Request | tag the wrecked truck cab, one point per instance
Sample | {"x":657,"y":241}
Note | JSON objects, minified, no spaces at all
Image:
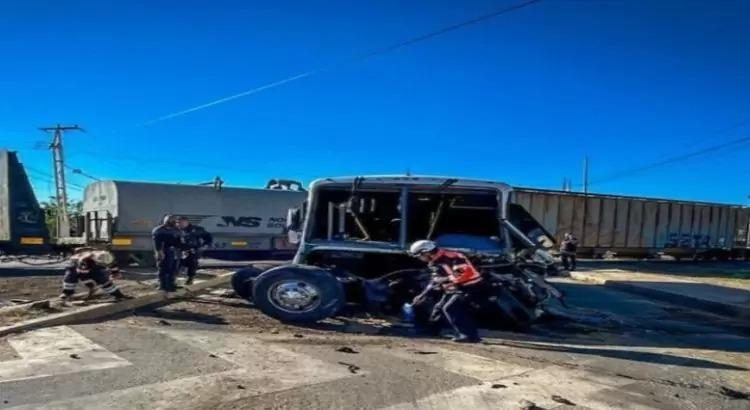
{"x":353,"y":234}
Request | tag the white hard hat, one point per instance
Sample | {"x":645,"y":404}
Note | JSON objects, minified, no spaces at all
{"x":421,"y":247}
{"x":103,"y":258}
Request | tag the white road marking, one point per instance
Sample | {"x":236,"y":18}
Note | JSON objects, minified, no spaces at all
{"x":265,"y":368}
{"x":47,"y":352}
{"x":537,"y":386}
{"x":520,"y":383}
{"x":260,"y":357}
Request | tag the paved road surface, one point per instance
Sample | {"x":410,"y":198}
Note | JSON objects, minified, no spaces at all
{"x":218,"y":353}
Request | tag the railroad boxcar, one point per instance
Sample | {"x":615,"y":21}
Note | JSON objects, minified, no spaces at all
{"x":635,"y":226}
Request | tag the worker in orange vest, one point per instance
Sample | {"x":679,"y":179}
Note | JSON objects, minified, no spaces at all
{"x":458,"y":278}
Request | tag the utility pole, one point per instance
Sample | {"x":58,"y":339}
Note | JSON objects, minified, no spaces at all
{"x":585,"y":175}
{"x":58,"y":164}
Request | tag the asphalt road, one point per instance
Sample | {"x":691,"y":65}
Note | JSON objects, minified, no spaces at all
{"x":219,"y":353}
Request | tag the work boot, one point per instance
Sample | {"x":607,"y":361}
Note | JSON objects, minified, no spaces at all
{"x":91,"y":294}
{"x":189,"y":281}
{"x":466,"y":339}
{"x":118,"y":295}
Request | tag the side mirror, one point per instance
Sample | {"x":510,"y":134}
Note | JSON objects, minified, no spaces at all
{"x":294,"y":225}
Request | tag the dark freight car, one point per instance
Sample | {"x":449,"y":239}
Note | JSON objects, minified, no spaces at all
{"x":22,"y":226}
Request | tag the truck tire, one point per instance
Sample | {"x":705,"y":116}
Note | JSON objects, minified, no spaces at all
{"x":242,"y":282}
{"x":298,"y":293}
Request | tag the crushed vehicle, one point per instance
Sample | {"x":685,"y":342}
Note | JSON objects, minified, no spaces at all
{"x":354,"y":232}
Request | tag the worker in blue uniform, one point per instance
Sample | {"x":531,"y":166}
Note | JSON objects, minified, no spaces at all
{"x":193,"y":239}
{"x":167,"y":245}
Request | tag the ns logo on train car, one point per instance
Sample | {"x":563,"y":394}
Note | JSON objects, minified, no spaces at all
{"x":229,"y":223}
{"x":241,"y":221}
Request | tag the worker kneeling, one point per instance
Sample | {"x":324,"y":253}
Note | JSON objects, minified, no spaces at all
{"x":92,"y":267}
{"x":459,"y":279}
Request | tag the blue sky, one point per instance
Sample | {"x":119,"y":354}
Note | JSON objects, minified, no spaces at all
{"x":521,"y":98}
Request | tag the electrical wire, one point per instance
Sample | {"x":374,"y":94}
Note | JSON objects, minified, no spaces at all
{"x":738,"y":142}
{"x":81,"y":173}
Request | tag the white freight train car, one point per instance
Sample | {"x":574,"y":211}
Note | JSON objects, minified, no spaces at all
{"x":245,"y":222}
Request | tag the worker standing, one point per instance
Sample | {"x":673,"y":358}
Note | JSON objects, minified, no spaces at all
{"x":166,"y":238}
{"x":92,"y":267}
{"x":568,"y":249}
{"x":458,"y":278}
{"x":193,"y":239}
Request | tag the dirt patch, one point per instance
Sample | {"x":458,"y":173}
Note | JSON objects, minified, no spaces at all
{"x":30,"y":287}
{"x":36,"y":288}
{"x":15,"y":314}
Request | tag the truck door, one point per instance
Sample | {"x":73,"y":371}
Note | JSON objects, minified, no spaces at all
{"x":522,"y":219}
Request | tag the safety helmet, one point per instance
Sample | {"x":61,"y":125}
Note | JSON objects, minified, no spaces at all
{"x":168,"y":219}
{"x":103,"y":258}
{"x":422,"y":247}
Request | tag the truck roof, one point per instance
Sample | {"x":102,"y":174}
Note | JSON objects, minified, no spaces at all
{"x":415,"y":180}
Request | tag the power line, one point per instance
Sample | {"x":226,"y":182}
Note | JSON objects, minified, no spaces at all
{"x":81,"y":173}
{"x":49,"y":176}
{"x":673,"y":159}
{"x":356,"y":59}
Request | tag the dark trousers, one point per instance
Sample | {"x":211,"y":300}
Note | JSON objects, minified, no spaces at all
{"x":167,"y":272}
{"x":569,"y":261}
{"x":99,"y":276}
{"x":455,"y":307}
{"x":190,"y":263}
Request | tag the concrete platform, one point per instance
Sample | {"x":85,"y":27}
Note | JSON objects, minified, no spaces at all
{"x":727,"y":301}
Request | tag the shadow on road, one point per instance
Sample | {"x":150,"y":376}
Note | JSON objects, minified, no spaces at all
{"x":183,"y":315}
{"x":646,"y":357}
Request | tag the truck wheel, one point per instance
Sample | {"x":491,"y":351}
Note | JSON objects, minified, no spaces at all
{"x":242,"y":282}
{"x":298,"y":293}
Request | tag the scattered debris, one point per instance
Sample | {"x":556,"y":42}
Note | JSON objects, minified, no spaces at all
{"x":499,"y":386}
{"x":274,"y":331}
{"x":20,"y":301}
{"x":424,"y":352}
{"x":223,"y":293}
{"x":65,"y":348}
{"x":679,"y":384}
{"x":734,"y":394}
{"x":625,"y":376}
{"x":528,"y":405}
{"x":211,"y":355}
{"x":353,"y":368}
{"x":75,"y":356}
{"x":346,"y":349}
{"x":562,"y":400}
{"x":163,"y":322}
{"x":299,"y":336}
{"x":241,"y":387}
